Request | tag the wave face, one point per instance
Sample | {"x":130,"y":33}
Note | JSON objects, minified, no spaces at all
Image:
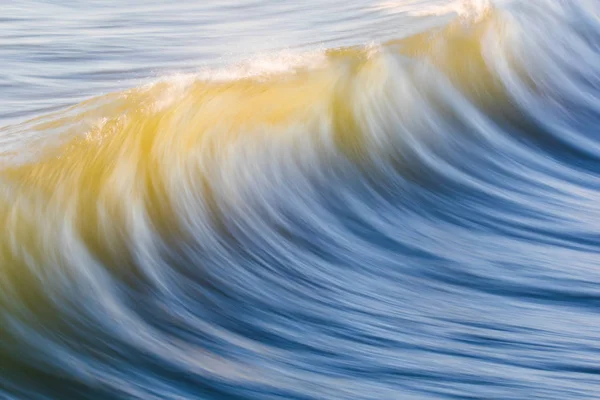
{"x":411,"y":220}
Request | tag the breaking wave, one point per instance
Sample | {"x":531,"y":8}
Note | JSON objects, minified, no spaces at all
{"x":414,"y":219}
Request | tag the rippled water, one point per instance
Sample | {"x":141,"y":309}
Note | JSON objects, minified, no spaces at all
{"x":57,"y":53}
{"x":300,"y":200}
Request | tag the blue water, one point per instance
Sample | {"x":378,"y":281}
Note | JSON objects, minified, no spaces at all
{"x":300,"y":200}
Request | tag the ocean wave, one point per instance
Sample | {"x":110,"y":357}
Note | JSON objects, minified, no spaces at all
{"x":412,"y":219}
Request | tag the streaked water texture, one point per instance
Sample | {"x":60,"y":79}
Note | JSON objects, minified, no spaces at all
{"x":350,"y":213}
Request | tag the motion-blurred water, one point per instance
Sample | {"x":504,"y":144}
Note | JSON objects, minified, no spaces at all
{"x":300,"y":200}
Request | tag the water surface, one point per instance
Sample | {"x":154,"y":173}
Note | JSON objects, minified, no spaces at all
{"x":300,"y":200}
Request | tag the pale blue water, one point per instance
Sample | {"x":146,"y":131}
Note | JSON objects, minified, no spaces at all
{"x":57,"y":53}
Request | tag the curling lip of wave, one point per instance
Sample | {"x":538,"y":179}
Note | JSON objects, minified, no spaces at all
{"x":468,"y":9}
{"x":268,"y":72}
